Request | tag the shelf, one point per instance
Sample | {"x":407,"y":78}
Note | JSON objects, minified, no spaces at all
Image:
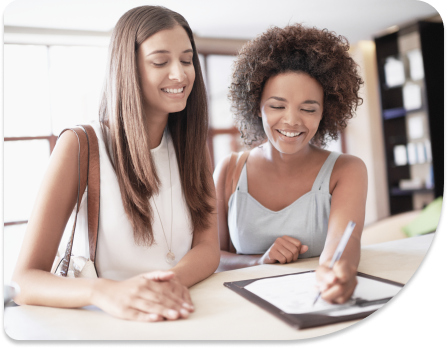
{"x":395,"y":191}
{"x":394,"y":113}
{"x":389,"y":114}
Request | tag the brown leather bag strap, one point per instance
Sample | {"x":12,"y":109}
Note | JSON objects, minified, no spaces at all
{"x":93,"y":189}
{"x":88,"y":176}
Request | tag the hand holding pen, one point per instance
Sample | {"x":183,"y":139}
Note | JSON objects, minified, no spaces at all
{"x":338,"y":253}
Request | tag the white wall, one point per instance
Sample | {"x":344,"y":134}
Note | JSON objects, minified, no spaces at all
{"x":364,"y":135}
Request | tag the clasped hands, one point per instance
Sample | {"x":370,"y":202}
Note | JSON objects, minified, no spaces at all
{"x":336,"y":285}
{"x":152,"y":296}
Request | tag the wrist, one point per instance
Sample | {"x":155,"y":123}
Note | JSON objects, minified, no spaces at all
{"x":259,"y":260}
{"x":97,"y":289}
{"x":177,"y":275}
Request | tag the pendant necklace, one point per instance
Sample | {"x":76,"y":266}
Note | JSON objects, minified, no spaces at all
{"x":170,"y":257}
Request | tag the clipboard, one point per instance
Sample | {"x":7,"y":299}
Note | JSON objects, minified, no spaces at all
{"x":310,"y":319}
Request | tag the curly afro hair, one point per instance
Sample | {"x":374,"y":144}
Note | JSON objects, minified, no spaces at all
{"x":318,"y":53}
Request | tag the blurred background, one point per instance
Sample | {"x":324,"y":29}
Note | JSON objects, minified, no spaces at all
{"x":55,"y":55}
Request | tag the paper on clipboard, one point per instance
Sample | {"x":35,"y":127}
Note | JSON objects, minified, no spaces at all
{"x":294,"y":294}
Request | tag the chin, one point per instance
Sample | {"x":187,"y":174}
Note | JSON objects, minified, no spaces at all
{"x":177,"y":108}
{"x":287,"y":150}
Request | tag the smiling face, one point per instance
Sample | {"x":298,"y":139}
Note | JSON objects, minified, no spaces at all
{"x":165,"y":66}
{"x":291,"y":108}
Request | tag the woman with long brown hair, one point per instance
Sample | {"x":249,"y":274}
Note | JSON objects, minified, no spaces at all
{"x":157,"y":227}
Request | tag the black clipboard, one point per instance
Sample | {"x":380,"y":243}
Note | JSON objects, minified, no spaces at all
{"x":305,"y":320}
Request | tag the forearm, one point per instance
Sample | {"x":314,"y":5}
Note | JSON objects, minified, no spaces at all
{"x":199,"y":263}
{"x":42,"y":288}
{"x":351,"y":254}
{"x":231,"y":261}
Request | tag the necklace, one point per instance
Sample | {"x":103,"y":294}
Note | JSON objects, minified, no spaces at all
{"x":170,"y":257}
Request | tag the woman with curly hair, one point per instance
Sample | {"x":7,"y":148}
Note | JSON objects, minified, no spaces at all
{"x":292,"y":90}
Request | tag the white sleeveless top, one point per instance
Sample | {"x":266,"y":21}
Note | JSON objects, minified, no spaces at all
{"x":118,"y":257}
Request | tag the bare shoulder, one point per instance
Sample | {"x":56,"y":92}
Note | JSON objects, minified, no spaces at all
{"x":220,"y":173}
{"x":221,"y":169}
{"x":347,"y":162}
{"x":67,"y":144}
{"x":348,"y":168}
{"x":64,"y":160}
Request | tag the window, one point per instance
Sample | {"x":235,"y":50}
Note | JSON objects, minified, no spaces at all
{"x":47,"y":88}
{"x":224,"y":137}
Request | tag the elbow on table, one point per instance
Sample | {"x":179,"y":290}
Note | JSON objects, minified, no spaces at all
{"x":19,"y":279}
{"x":215,"y":260}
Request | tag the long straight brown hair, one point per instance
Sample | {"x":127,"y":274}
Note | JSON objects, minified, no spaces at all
{"x":125,"y":132}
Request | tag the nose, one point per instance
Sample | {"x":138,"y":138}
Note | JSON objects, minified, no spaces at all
{"x":292,"y":117}
{"x":177,"y":72}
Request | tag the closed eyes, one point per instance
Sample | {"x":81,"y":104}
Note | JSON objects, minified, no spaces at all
{"x":282,"y":107}
{"x":163,"y":64}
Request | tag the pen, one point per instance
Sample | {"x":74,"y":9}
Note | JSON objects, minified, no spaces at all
{"x":340,"y":249}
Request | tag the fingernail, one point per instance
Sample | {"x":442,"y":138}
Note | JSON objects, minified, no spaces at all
{"x":184,"y":312}
{"x":172,"y":313}
{"x":153,"y":317}
{"x":329,"y":278}
{"x":187,"y":306}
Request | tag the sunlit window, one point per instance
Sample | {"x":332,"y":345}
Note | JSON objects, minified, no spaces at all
{"x":26,"y":91}
{"x":24,"y":165}
{"x":47,"y":88}
{"x":76,"y":80}
{"x":226,"y":138}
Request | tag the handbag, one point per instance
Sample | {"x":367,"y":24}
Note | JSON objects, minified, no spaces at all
{"x":88,"y":177}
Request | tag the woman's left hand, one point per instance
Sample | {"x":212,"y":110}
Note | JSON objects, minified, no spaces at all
{"x":337,"y":284}
{"x":173,"y":284}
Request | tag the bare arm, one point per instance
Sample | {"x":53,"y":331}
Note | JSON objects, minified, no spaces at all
{"x":148,"y":297}
{"x":203,"y":258}
{"x":55,"y":202}
{"x":229,"y":259}
{"x":348,"y":203}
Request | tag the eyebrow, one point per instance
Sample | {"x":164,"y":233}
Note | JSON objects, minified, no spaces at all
{"x":165,"y":51}
{"x":305,"y":102}
{"x":311,"y":102}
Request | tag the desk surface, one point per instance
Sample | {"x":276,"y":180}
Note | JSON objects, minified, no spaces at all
{"x":220,"y":313}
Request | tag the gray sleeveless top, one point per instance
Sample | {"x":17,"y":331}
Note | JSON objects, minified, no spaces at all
{"x":254,"y":228}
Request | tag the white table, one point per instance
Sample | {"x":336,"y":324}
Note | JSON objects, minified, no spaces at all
{"x":220,"y":313}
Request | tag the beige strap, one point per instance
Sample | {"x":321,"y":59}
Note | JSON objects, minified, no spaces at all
{"x":229,"y":178}
{"x":239,"y":167}
{"x":233,"y":174}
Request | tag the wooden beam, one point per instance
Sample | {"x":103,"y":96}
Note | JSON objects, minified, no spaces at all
{"x":206,"y":45}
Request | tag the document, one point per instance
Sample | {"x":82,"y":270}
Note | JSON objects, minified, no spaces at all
{"x":295,"y":294}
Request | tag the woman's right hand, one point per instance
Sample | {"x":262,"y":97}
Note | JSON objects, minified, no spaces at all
{"x":147,"y":297}
{"x":284,"y":250}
